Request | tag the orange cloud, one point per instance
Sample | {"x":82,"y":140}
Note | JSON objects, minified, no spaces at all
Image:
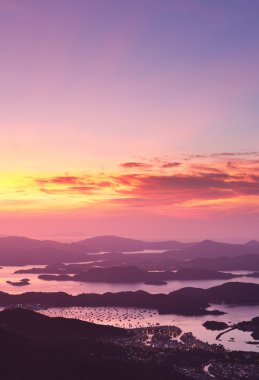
{"x":203,"y":183}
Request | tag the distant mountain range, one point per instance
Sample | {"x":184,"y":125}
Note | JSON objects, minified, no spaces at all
{"x":246,"y":262}
{"x":121,"y":244}
{"x":211,"y":249}
{"x":24,"y":251}
{"x":21,"y":250}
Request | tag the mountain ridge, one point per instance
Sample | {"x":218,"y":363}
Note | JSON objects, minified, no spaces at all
{"x":15,"y":250}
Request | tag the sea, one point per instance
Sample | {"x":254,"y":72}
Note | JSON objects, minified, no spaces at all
{"x":134,"y":317}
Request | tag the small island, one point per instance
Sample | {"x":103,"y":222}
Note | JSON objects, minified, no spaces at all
{"x":215,"y":325}
{"x":155,"y":282}
{"x":53,"y":277}
{"x":22,"y":282}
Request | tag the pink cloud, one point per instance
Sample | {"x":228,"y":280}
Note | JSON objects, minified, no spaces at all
{"x":213,"y":183}
{"x":133,"y":165}
{"x":169,"y":165}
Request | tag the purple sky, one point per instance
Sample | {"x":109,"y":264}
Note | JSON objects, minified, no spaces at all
{"x":87,"y":85}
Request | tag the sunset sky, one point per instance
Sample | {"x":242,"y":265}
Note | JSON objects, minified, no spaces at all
{"x":137,"y":118}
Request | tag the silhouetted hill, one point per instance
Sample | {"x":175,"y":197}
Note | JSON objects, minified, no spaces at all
{"x":186,"y":301}
{"x":23,"y":251}
{"x":57,"y":268}
{"x":252,"y":243}
{"x":243,"y":262}
{"x":114,"y":274}
{"x":120,"y":244}
{"x":235,"y":293}
{"x":215,"y":325}
{"x":200,"y":274}
{"x":130,"y":274}
{"x":174,"y":303}
{"x":252,"y":326}
{"x":38,"y":326}
{"x":36,"y":347}
{"x":33,"y":346}
{"x":63,"y":349}
{"x":20,"y":242}
{"x":212,"y":249}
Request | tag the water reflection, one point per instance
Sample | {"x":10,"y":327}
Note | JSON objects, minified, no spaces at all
{"x":132,"y":317}
{"x":72,"y":287}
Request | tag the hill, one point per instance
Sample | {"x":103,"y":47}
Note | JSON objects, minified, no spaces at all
{"x":212,"y":249}
{"x":109,"y":243}
{"x":24,"y":251}
{"x":122,"y":274}
{"x":133,"y":274}
{"x":38,"y":326}
{"x":36,"y":347}
{"x":248,"y":262}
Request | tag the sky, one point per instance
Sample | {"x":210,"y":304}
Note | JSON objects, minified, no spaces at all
{"x":137,"y":118}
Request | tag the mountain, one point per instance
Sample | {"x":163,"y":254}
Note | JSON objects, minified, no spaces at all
{"x":24,"y":251}
{"x":185,"y":301}
{"x":211,"y":249}
{"x":129,"y":274}
{"x":65,"y":349}
{"x":172,"y":303}
{"x":33,"y":346}
{"x":232,"y":293}
{"x":249,"y":262}
{"x":121,"y":274}
{"x":18,"y":242}
{"x":120,"y":244}
{"x":134,"y":274}
{"x":252,"y":243}
{"x":16,"y":250}
{"x":38,"y":326}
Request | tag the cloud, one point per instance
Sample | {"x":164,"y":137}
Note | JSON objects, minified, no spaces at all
{"x":207,"y":184}
{"x":222,"y":155}
{"x":230,"y":165}
{"x":83,"y":184}
{"x":60,"y":180}
{"x":234,"y":154}
{"x":155,"y":163}
{"x":134,"y":165}
{"x":169,"y":165}
{"x":177,"y":188}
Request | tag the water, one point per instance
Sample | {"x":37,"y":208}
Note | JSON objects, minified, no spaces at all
{"x":74,"y":288}
{"x":140,"y":317}
{"x":132,"y":317}
{"x":146,"y":251}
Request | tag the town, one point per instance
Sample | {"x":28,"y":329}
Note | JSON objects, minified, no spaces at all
{"x":187,"y":355}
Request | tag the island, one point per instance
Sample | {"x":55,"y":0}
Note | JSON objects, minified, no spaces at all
{"x":124,"y":274}
{"x":22,"y":282}
{"x":215,"y":325}
{"x":155,"y":282}
{"x":51,"y":277}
